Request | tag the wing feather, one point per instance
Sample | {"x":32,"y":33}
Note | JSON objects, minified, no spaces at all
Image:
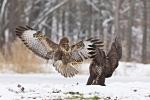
{"x":34,"y":44}
{"x":65,"y":70}
{"x":85,"y":50}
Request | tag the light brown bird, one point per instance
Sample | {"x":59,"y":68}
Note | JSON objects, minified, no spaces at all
{"x":64,"y":55}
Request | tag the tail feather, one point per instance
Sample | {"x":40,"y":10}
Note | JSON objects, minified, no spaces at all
{"x":68,"y":71}
{"x":65,"y":70}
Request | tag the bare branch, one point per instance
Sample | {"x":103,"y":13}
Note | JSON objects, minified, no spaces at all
{"x":47,"y":13}
{"x":93,"y":5}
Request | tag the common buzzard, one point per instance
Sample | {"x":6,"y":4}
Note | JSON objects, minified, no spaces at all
{"x":65,"y":56}
{"x":103,"y":65}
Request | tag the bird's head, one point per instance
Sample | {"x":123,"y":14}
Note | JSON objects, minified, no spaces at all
{"x":64,"y":44}
{"x":39,"y":35}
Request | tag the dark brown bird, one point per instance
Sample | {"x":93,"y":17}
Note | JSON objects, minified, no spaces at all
{"x":65,"y":57}
{"x":104,"y":65}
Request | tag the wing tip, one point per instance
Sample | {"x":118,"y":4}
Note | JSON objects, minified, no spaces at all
{"x":20,"y":29}
{"x":95,"y":43}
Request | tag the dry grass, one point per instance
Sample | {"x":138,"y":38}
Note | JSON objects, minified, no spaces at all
{"x":2,"y":60}
{"x":22,"y":59}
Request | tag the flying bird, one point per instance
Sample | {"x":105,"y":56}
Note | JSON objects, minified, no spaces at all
{"x":65,"y":56}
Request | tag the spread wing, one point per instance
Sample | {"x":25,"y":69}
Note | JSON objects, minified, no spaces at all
{"x":85,"y":50}
{"x":80,"y":52}
{"x":39,"y":47}
{"x":113,"y":57}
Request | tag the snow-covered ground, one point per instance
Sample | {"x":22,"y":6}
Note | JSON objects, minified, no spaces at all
{"x":129,"y":82}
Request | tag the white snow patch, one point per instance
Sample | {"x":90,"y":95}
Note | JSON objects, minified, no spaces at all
{"x":130,"y":81}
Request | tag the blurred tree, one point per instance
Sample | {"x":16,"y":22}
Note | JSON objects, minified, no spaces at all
{"x":144,"y":43}
{"x":148,"y":31}
{"x":129,"y":33}
{"x":80,"y":19}
{"x":3,"y":6}
{"x":9,"y":16}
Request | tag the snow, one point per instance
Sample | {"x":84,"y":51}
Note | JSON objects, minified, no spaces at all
{"x":133,"y":70}
{"x":131,"y":81}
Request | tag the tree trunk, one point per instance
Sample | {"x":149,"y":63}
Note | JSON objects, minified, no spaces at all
{"x":144,"y":43}
{"x":3,"y":8}
{"x":129,"y":33}
{"x":148,"y":31}
{"x":117,"y":28}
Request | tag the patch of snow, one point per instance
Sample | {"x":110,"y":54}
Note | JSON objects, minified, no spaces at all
{"x":130,"y":81}
{"x":132,"y":69}
{"x":55,"y":86}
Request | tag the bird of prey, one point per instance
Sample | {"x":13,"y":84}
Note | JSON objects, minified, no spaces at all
{"x":103,"y":65}
{"x":65,"y":56}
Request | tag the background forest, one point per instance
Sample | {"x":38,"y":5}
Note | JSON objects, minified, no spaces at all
{"x":77,"y":19}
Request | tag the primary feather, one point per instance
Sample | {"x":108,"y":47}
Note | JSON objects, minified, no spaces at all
{"x":34,"y":44}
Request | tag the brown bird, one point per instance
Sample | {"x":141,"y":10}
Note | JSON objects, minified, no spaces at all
{"x":103,"y":65}
{"x":66,"y":57}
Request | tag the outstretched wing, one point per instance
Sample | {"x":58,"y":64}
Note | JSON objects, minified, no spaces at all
{"x":80,"y":52}
{"x":113,"y":57}
{"x":26,"y":34}
{"x":85,"y":50}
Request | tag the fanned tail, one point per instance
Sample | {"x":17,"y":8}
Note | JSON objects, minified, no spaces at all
{"x":65,"y":70}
